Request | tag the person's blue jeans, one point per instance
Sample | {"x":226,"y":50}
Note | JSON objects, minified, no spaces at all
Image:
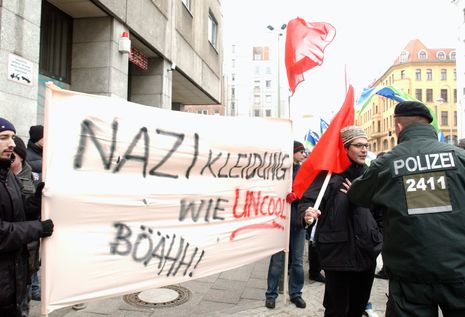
{"x":296,"y":269}
{"x":35,"y":286}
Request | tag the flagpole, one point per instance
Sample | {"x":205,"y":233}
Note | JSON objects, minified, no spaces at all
{"x":318,"y":202}
{"x":286,"y":251}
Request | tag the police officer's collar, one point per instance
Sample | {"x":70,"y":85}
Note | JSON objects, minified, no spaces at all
{"x":417,"y":130}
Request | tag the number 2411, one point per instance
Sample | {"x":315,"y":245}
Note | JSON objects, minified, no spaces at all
{"x":422,"y":184}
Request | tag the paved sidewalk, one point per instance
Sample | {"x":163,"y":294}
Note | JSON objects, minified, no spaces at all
{"x":239,"y":292}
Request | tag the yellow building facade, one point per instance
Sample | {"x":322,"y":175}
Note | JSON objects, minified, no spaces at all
{"x":429,"y":75}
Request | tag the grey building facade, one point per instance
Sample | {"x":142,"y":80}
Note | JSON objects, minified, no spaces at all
{"x":161,"y":53}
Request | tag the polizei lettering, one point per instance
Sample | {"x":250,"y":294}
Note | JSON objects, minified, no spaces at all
{"x":423,"y":163}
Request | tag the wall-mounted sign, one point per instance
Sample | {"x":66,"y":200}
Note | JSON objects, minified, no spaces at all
{"x":138,"y":58}
{"x":19,"y":69}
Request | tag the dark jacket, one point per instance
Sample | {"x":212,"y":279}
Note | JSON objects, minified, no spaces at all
{"x":15,"y":234}
{"x":28,"y":188}
{"x":296,"y":219}
{"x":347,"y":236}
{"x":34,"y":158}
{"x":420,"y":185}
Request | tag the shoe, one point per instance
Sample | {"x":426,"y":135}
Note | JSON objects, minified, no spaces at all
{"x":79,"y":306}
{"x":270,"y":303}
{"x":299,"y":302}
{"x":318,"y":278}
{"x":36,"y":297}
{"x":381,"y":274}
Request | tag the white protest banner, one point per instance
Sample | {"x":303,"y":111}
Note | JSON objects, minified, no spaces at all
{"x":143,"y":197}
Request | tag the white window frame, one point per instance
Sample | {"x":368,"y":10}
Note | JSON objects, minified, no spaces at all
{"x":212,"y":30}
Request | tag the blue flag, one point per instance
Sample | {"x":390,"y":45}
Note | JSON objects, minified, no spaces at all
{"x":323,"y":126}
{"x":441,"y":137}
{"x":311,"y":139}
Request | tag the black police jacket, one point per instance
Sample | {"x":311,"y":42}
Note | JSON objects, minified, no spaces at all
{"x":420,"y":185}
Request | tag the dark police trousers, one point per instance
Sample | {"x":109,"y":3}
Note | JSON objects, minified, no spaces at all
{"x":407,"y":299}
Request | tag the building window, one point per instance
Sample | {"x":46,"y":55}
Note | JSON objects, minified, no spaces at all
{"x":455,"y":118}
{"x":418,"y":94}
{"x":257,"y":70}
{"x":257,"y":53}
{"x":212,"y":30}
{"x":233,"y":77}
{"x":268,"y":84}
{"x":56,"y":36}
{"x":444,"y":95}
{"x":402,"y":74}
{"x":443,"y":74}
{"x":403,"y":57}
{"x":455,"y":74}
{"x":455,"y":95}
{"x":268,"y":99}
{"x":203,"y":111}
{"x":444,"y":118}
{"x":441,"y":55}
{"x":452,"y":55}
{"x":256,"y":89}
{"x":422,"y":55}
{"x":256,"y":113}
{"x":429,"y":74}
{"x":268,"y":70}
{"x":256,"y":99}
{"x":233,"y":92}
{"x":261,"y":53}
{"x":188,"y":4}
{"x":268,"y":112}
{"x":418,"y":74}
{"x":429,"y":95}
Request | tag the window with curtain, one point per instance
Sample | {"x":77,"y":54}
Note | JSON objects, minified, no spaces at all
{"x":56,"y":36}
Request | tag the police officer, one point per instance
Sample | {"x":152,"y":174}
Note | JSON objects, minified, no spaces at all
{"x":420,"y":185}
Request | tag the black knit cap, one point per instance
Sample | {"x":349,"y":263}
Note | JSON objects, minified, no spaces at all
{"x":6,"y":125}
{"x":20,"y":148}
{"x":298,"y":147}
{"x":412,"y":108}
{"x":36,"y":132}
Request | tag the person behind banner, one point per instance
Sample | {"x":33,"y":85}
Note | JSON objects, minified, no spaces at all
{"x":35,"y":147}
{"x":23,"y":172}
{"x":420,"y":184}
{"x":347,"y":236}
{"x":16,"y":227}
{"x":296,"y":249}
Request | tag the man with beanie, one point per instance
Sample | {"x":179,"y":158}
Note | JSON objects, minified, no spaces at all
{"x":420,"y":185}
{"x":347,"y":236}
{"x":35,"y":148}
{"x":296,"y":249}
{"x":17,"y":228}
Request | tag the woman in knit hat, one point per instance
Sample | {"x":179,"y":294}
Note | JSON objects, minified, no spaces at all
{"x":347,"y":236}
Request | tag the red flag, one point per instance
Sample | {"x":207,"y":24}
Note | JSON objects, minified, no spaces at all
{"x":305,"y":43}
{"x":329,"y":153}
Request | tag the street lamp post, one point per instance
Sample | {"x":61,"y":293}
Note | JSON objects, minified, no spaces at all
{"x":280,"y":33}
